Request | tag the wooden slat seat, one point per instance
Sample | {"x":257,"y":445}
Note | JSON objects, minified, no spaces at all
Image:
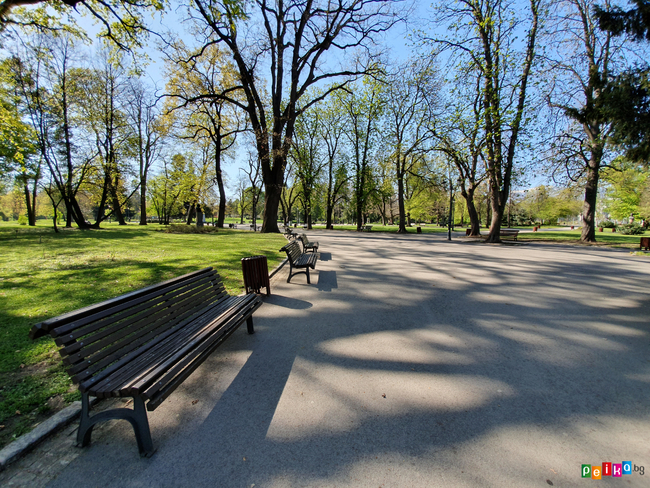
{"x":298,"y":259}
{"x":307,"y":245}
{"x":145,"y":344}
{"x":509,"y":233}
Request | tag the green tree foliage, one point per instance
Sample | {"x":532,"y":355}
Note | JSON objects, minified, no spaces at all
{"x":626,"y":189}
{"x":285,"y":46}
{"x":121,"y":21}
{"x":626,"y":97}
{"x":485,"y":35}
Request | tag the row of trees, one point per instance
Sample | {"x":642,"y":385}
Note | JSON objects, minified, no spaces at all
{"x":506,"y":82}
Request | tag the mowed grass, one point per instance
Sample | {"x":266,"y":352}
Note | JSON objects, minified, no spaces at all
{"x":607,"y":237}
{"x":43,"y":274}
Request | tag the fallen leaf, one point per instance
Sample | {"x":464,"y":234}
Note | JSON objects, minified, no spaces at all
{"x":2,"y":426}
{"x":383,"y":395}
{"x":244,"y":459}
{"x":17,"y":412}
{"x":194,"y":402}
{"x":22,"y":366}
{"x":549,"y":482}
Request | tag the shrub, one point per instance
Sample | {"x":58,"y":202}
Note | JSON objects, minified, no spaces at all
{"x":189,"y":229}
{"x":607,"y":224}
{"x":630,"y":229}
{"x":22,"y":220}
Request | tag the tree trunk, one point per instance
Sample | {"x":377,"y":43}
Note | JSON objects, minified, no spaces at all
{"x":190,"y":213}
{"x":400,"y":202}
{"x":272,"y":205}
{"x":474,"y":220}
{"x":31,"y":208}
{"x":591,"y":194}
{"x":143,"y":201}
{"x":117,"y":209}
{"x":221,"y":217}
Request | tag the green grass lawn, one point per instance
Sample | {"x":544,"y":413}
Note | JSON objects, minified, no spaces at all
{"x":607,"y":237}
{"x":43,"y":274}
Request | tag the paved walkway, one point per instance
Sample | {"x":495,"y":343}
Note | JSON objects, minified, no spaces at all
{"x":408,"y":362}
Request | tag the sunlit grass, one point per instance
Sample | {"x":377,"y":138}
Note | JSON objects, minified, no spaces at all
{"x":43,"y":274}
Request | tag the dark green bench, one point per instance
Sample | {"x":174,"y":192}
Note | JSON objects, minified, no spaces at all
{"x":307,"y":245}
{"x":298,"y":259}
{"x":145,"y":344}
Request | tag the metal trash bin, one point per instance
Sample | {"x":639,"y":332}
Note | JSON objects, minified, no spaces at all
{"x":256,"y":274}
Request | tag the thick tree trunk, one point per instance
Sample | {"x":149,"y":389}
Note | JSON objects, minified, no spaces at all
{"x":474,"y":220}
{"x":190,"y":213}
{"x":497,"y":204}
{"x":272,"y":205}
{"x":591,"y":195}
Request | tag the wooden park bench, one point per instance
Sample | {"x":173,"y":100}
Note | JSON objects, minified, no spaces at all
{"x":307,"y":245}
{"x":145,"y":344}
{"x":366,"y":228}
{"x":509,"y":233}
{"x":298,"y":259}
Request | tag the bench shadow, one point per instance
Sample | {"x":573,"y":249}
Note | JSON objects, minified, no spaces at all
{"x":325,"y":256}
{"x":327,"y":280}
{"x":287,"y":302}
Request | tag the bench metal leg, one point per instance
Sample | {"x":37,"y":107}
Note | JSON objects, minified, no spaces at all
{"x":137,"y":417}
{"x":307,"y":271}
{"x":249,"y":325}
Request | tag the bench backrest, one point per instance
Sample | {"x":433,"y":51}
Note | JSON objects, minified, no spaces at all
{"x":293,"y":251}
{"x":97,"y":339}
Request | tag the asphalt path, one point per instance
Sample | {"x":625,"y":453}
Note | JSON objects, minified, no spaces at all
{"x":411,"y":361}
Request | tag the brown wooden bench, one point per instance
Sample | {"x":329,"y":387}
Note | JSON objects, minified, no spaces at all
{"x":307,"y":245}
{"x":509,"y":233}
{"x":145,"y":344}
{"x":298,"y":259}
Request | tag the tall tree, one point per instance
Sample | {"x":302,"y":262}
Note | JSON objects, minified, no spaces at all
{"x":292,"y":39}
{"x":487,"y":32}
{"x":18,"y":154}
{"x":583,"y":60}
{"x":626,"y":96}
{"x":105,"y":90}
{"x":308,"y":158}
{"x":363,"y":108}
{"x":332,"y":135}
{"x":148,"y":133}
{"x":460,"y":136}
{"x":194,"y":78}
{"x":48,"y":87}
{"x":408,"y":109}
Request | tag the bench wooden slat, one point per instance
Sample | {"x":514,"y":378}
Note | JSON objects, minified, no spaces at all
{"x":72,"y":331}
{"x":127,"y":340}
{"x":177,"y":363}
{"x":48,"y":326}
{"x":112,"y":364}
{"x":157,"y":398}
{"x":135,"y":326}
{"x":149,"y":366}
